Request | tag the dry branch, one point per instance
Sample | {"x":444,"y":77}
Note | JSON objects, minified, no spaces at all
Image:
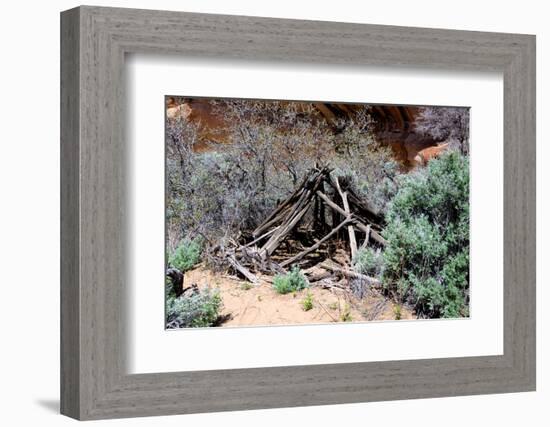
{"x":271,"y":222}
{"x":377,"y":236}
{"x":373,"y":233}
{"x":276,"y":239}
{"x":241,"y":269}
{"x":331,"y":204}
{"x":316,"y":245}
{"x":367,"y":235}
{"x":367,"y":229}
{"x":263,"y":236}
{"x":279,"y":208}
{"x":326,"y":311}
{"x":278,"y":227}
{"x":316,"y":273}
{"x":351,"y":232}
{"x":348,"y":273}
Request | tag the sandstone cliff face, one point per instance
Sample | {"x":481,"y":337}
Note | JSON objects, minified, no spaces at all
{"x":394,"y":126}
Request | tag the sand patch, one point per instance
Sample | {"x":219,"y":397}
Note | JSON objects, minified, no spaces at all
{"x":245,"y":304}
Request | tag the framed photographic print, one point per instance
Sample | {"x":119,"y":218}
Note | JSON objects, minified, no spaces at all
{"x":366,"y":206}
{"x":262,"y":213}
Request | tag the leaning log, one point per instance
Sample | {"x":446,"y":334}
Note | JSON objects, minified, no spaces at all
{"x":364,"y":209}
{"x":349,"y":273}
{"x":316,"y":245}
{"x":241,"y":269}
{"x":367,"y":229}
{"x":281,"y":207}
{"x":316,"y":273}
{"x":373,"y":233}
{"x":276,"y":238}
{"x":263,"y":236}
{"x":351,"y":232}
{"x":271,"y":222}
{"x":331,"y":204}
{"x":366,"y":241}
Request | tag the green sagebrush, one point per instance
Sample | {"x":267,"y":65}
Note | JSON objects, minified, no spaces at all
{"x":368,"y":261}
{"x":426,"y":260}
{"x":200,"y":309}
{"x":290,"y":282}
{"x":186,"y":255}
{"x":307,"y":302}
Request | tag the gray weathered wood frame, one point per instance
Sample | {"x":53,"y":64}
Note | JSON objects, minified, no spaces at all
{"x":94,"y":41}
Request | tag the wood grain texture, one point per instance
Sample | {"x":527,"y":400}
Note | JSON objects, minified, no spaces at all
{"x":70,"y":314}
{"x":95,"y":237}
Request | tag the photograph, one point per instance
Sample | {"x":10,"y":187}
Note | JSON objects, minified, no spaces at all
{"x":286,"y":212}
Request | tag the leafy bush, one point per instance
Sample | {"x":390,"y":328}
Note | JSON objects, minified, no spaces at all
{"x":369,"y":166}
{"x":368,"y":261}
{"x":186,"y":255}
{"x":291,"y":282}
{"x":169,"y":291}
{"x":426,"y":260}
{"x":198,"y":310}
{"x":307,"y":302}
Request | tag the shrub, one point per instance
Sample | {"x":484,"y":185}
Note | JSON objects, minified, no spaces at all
{"x":245,"y":286}
{"x":345,"y":316}
{"x":198,"y":310}
{"x":368,"y":261}
{"x":397,"y":311}
{"x":426,"y":260}
{"x":333,"y":306}
{"x":450,"y":124}
{"x":186,"y":255}
{"x":219,"y":190}
{"x":169,"y":288}
{"x":307,"y":302}
{"x":291,"y":282}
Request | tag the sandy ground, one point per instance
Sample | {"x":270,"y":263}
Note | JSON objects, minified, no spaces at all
{"x":245,"y":304}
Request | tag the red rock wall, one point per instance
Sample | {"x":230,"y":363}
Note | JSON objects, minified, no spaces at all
{"x":394,"y":125}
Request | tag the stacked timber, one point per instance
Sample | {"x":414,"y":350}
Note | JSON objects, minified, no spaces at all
{"x":308,"y":230}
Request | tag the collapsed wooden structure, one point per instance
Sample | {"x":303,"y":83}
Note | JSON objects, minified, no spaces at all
{"x":322,"y":212}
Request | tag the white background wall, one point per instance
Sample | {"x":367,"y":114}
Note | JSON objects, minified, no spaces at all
{"x":29,"y":224}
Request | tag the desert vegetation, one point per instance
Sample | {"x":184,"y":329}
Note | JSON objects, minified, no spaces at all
{"x":301,"y":208}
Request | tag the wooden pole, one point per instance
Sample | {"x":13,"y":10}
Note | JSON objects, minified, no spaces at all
{"x":316,"y":245}
{"x":351,"y":232}
{"x":241,"y":269}
{"x":352,"y":274}
{"x":367,"y":235}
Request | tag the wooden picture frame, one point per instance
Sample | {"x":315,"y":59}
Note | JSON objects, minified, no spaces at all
{"x":94,"y":41}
